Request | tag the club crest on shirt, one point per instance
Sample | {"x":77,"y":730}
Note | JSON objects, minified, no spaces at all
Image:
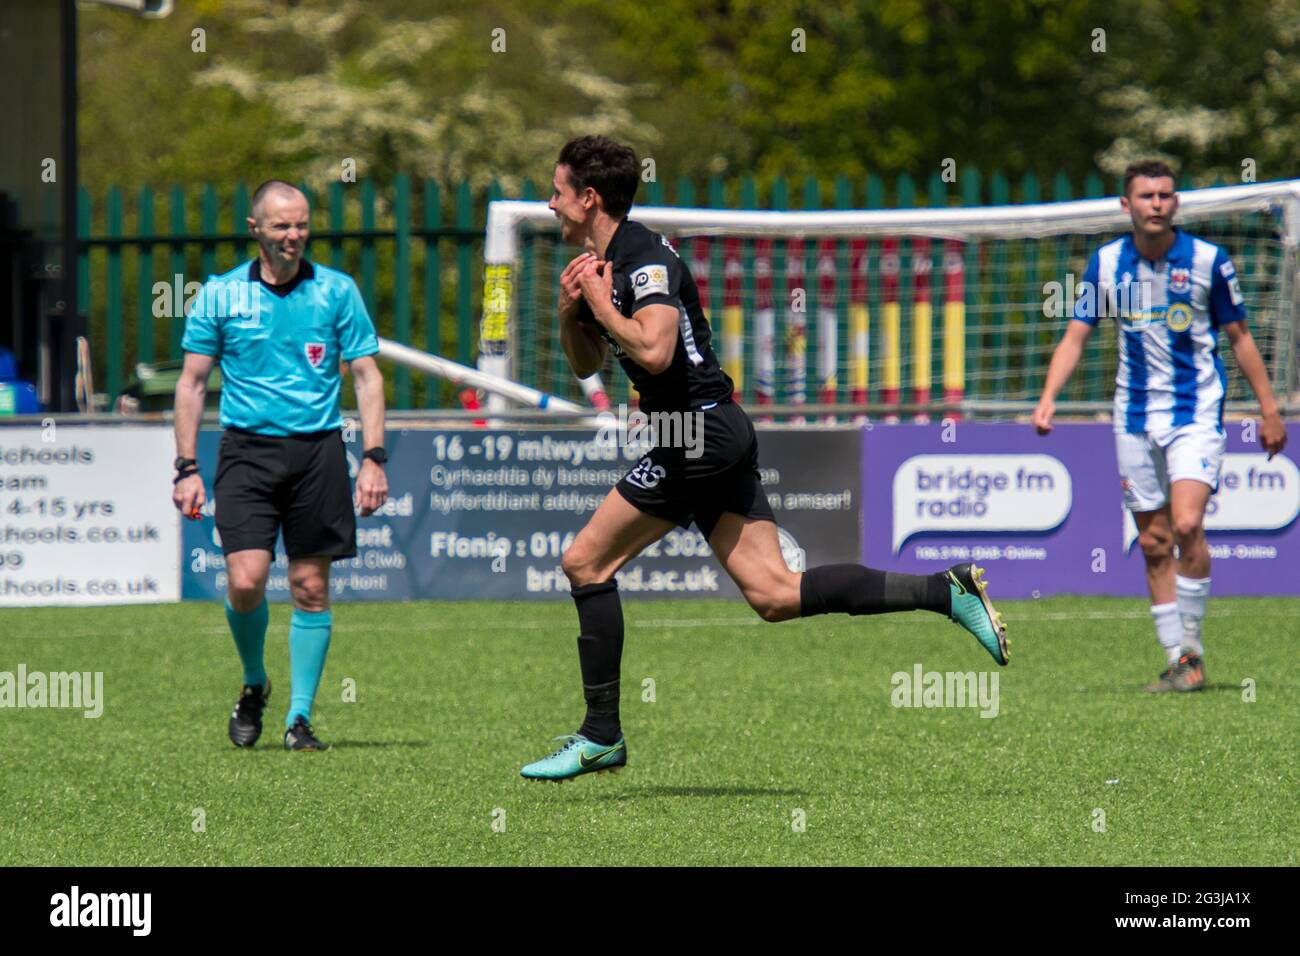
{"x":1180,"y":279}
{"x":315,"y":353}
{"x":1178,"y":317}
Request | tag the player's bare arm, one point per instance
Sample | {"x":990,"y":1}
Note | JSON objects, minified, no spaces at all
{"x":1064,"y":361}
{"x":649,"y":339}
{"x":191,"y":389}
{"x":1272,"y":432}
{"x":372,"y":483}
{"x":581,"y":343}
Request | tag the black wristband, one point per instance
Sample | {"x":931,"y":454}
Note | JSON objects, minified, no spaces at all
{"x":377,"y":454}
{"x":182,"y":475}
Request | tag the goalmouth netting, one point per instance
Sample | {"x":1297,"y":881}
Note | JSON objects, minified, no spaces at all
{"x":884,"y":312}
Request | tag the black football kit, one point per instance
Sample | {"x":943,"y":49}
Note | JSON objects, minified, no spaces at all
{"x":684,"y":480}
{"x":719,"y":471}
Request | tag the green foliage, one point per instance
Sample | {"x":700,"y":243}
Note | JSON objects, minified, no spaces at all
{"x":297,"y":89}
{"x":704,"y":87}
{"x":899,"y":85}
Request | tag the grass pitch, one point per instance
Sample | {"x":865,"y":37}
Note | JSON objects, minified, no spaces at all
{"x":754,"y":729}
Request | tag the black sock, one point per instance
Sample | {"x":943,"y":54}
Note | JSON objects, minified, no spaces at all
{"x":600,"y":651}
{"x":854,"y":589}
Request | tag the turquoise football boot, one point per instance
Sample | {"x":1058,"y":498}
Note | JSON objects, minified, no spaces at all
{"x":578,"y":756}
{"x":972,"y":609}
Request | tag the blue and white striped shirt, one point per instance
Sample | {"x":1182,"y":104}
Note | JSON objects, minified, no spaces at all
{"x":1168,"y":314}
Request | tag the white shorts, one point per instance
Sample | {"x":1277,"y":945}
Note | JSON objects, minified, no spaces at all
{"x":1149,"y":464}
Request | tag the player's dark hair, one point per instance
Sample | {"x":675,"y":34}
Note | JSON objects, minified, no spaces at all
{"x":271,"y":185}
{"x":607,"y":167}
{"x":1152,"y":168}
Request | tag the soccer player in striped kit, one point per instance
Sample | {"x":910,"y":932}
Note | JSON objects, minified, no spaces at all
{"x":1170,"y":294}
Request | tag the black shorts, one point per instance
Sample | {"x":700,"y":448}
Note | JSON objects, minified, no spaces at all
{"x":299,"y":483}
{"x":673,"y":482}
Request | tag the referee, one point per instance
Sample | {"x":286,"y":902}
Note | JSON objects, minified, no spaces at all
{"x":280,"y":326}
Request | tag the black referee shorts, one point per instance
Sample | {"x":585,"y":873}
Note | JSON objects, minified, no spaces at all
{"x":297,"y":483}
{"x":669,"y":483}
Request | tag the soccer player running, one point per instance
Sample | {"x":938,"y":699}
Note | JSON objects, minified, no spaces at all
{"x":280,"y":326}
{"x":630,"y":293}
{"x":1170,"y":293}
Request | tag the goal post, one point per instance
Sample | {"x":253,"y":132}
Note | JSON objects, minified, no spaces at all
{"x":866,"y":311}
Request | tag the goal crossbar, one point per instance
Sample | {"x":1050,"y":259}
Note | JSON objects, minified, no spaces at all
{"x":1027,"y":221}
{"x":933,"y":312}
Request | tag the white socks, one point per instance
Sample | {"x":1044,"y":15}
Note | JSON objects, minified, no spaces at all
{"x":1192,"y":595}
{"x":1178,"y":623}
{"x":1169,"y":629}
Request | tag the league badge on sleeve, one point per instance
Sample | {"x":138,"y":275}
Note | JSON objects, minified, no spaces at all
{"x":1229,"y":273}
{"x":650,"y":280}
{"x":315,"y":353}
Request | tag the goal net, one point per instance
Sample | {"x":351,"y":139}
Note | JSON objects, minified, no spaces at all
{"x":873,"y":312}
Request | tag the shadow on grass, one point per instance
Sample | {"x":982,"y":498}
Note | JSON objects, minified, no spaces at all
{"x":1209,"y":688}
{"x":656,"y":792}
{"x":340,"y":744}
{"x":1223,"y":688}
{"x":1139,"y":691}
{"x":350,"y":744}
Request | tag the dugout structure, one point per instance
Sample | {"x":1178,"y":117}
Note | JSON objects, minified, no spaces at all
{"x":40,"y":290}
{"x":38,"y":293}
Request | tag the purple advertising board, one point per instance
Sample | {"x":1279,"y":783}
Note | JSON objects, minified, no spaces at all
{"x":1045,"y":515}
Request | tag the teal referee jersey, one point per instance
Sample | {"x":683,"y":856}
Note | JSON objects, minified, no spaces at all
{"x":280,"y":346}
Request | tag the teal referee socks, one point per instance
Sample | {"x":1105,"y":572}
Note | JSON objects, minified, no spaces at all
{"x":309,"y":642}
{"x":249,"y":631}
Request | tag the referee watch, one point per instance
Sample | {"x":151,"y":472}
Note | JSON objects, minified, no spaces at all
{"x":376,"y":454}
{"x":185,"y":467}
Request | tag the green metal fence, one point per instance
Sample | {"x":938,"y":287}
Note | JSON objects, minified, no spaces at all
{"x":415,"y":252}
{"x":415,"y":248}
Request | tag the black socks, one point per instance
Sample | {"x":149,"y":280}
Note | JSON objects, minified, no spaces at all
{"x":854,"y":589}
{"x":600,"y":651}
{"x":831,"y":588}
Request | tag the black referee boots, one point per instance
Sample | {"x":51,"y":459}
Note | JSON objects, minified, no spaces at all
{"x":301,"y":737}
{"x":246,"y":720}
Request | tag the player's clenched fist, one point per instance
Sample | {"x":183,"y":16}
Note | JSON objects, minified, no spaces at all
{"x":1043,"y":416}
{"x":596,"y":280}
{"x":188,"y":496}
{"x":372,"y":488}
{"x":570,"y":289}
{"x":1273,"y":434}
